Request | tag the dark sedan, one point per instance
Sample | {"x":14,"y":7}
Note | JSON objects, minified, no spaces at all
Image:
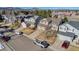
{"x":6,"y":38}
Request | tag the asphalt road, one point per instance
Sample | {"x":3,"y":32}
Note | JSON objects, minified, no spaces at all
{"x":22,"y":43}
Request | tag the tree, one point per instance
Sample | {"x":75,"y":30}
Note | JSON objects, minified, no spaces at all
{"x":56,"y":16}
{"x":3,"y":12}
{"x":1,"y":19}
{"x":49,"y":13}
{"x":49,"y":33}
{"x":43,"y":13}
{"x":15,"y":13}
{"x":64,"y":20}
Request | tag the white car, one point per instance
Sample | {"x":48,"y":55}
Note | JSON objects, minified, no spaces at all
{"x":18,"y":33}
{"x":1,"y":46}
{"x":1,"y":35}
{"x":42,"y":44}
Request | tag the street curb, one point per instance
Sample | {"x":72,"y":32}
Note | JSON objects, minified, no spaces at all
{"x":12,"y":49}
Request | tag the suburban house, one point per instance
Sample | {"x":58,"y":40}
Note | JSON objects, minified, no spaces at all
{"x":55,"y":24}
{"x":31,"y":21}
{"x":22,"y":16}
{"x":49,"y":23}
{"x":9,"y":18}
{"x":45,"y":24}
{"x":23,"y":24}
{"x":65,"y":36}
{"x":69,"y":31}
{"x":71,"y":26}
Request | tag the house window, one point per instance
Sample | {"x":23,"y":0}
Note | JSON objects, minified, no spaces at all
{"x":65,"y":29}
{"x":61,"y":28}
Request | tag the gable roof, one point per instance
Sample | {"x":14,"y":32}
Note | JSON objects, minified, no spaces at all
{"x":24,"y":16}
{"x":38,"y":19}
{"x":66,"y":34}
{"x":74,"y":24}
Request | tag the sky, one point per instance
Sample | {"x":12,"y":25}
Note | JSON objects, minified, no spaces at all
{"x":53,"y":8}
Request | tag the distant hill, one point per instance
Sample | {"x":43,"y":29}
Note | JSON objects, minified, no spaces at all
{"x":10,"y":8}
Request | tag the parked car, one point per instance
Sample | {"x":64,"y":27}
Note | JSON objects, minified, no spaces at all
{"x":10,"y":30}
{"x":42,"y":44}
{"x":65,"y":44}
{"x":6,"y":38}
{"x":18,"y":33}
{"x":1,"y":34}
{"x":4,"y":26}
{"x":1,"y":46}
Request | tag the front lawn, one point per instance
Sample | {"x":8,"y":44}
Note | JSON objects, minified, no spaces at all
{"x":15,"y":25}
{"x":27,"y":31}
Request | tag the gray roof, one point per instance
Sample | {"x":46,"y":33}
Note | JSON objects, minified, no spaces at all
{"x":74,"y":24}
{"x":27,"y":16}
{"x":66,"y":34}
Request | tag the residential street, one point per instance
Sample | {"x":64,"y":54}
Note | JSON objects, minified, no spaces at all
{"x":22,"y":43}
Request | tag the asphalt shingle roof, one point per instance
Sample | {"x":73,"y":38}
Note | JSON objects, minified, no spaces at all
{"x":74,"y":24}
{"x":66,"y":34}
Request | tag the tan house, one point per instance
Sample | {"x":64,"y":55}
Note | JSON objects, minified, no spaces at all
{"x":49,"y":23}
{"x":55,"y":24}
{"x":44,"y":23}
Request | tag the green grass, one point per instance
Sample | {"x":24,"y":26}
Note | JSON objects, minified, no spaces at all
{"x":15,"y":25}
